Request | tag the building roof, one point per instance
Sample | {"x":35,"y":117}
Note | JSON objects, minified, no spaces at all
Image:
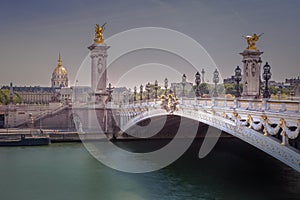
{"x":30,"y":89}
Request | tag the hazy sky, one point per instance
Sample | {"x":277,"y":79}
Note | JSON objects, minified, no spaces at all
{"x":34,"y":31}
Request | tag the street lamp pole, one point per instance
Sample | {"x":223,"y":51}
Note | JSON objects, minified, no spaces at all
{"x":197,"y":81}
{"x":155,"y":88}
{"x":141,"y":93}
{"x":267,"y":76}
{"x":109,"y":90}
{"x":166,"y":86}
{"x":238,"y":78}
{"x":216,"y":81}
{"x":134,"y":94}
{"x":183,"y":84}
{"x":148,"y":91}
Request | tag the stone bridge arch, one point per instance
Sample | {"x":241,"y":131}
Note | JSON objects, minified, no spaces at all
{"x":269,"y":145}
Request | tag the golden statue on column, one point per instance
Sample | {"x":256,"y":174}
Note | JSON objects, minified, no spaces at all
{"x":251,"y":40}
{"x":99,"y":39}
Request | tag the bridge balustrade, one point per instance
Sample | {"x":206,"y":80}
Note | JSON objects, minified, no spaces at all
{"x":246,"y":104}
{"x":286,"y":105}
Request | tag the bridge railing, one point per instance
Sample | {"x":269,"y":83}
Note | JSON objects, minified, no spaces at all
{"x":247,"y":104}
{"x":230,"y":103}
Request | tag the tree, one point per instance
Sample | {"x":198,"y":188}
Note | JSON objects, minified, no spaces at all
{"x":231,"y":89}
{"x":4,"y":97}
{"x":204,"y":88}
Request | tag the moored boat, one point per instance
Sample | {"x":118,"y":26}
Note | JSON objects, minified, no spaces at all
{"x":24,"y":140}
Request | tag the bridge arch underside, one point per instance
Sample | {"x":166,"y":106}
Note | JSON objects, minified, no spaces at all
{"x":167,"y":130}
{"x":164,"y":127}
{"x":227,"y":128}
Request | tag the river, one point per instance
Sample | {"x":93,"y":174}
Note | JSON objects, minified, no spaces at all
{"x":233,"y":170}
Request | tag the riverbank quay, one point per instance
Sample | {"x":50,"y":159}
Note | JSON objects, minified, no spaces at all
{"x":32,"y":137}
{"x":54,"y":136}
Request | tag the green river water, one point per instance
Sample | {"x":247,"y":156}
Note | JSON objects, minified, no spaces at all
{"x":233,"y":170}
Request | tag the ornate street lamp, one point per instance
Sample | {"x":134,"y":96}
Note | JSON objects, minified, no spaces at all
{"x":216,"y":81}
{"x":183,"y":84}
{"x":134,"y":93}
{"x":238,"y":78}
{"x":197,"y":81}
{"x":109,"y":90}
{"x":267,"y":76}
{"x":141,"y":93}
{"x":166,"y":86}
{"x":148,"y":91}
{"x":155,"y":88}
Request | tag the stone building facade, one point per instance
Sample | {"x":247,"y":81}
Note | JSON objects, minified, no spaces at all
{"x":36,"y":94}
{"x":45,"y":95}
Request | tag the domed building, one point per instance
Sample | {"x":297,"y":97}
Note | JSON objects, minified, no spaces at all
{"x":58,"y":92}
{"x":59,"y":76}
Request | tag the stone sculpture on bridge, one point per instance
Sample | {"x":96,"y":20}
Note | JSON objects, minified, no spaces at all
{"x":169,"y":103}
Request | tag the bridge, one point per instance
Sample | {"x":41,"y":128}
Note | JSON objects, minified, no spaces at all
{"x":272,"y":126}
{"x":269,"y":125}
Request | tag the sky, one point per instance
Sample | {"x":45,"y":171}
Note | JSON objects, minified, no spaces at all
{"x":33,"y":32}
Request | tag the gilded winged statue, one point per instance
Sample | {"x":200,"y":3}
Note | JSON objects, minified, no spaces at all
{"x":99,"y":39}
{"x":251,"y":40}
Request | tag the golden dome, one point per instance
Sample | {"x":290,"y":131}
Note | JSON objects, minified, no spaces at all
{"x":59,"y":70}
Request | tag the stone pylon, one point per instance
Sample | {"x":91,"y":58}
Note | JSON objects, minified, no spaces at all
{"x":98,"y":55}
{"x":251,"y":73}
